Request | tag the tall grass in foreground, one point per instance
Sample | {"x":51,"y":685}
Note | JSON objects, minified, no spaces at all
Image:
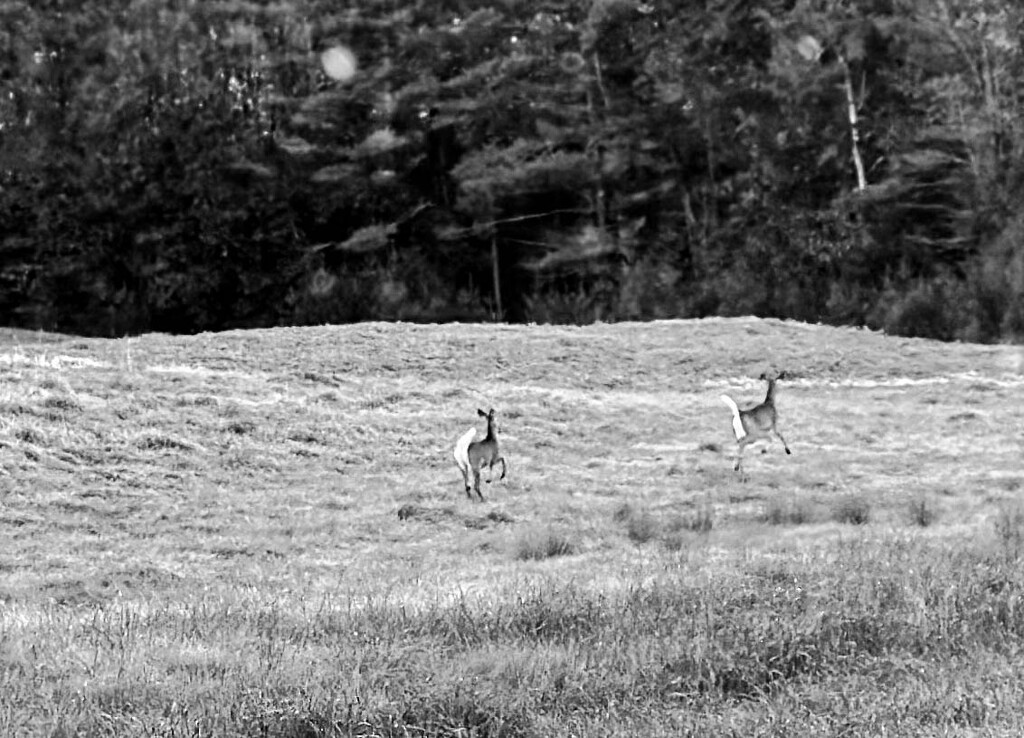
{"x":922,"y":639}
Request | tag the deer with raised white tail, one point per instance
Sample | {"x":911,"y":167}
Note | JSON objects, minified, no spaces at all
{"x":472,"y":455}
{"x":756,"y":423}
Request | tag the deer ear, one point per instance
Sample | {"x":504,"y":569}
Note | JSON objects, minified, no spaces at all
{"x":481,"y":413}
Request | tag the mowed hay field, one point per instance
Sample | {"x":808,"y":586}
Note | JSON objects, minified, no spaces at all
{"x":263,"y":533}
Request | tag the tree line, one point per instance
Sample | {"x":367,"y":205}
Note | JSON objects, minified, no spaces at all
{"x":167,"y":165}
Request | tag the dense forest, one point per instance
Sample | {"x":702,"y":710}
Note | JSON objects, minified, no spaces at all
{"x":177,"y":165}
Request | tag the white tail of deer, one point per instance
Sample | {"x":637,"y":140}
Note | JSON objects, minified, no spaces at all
{"x":756,"y":423}
{"x":461,"y":454}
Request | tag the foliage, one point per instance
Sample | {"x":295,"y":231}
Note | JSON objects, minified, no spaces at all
{"x":184,"y":167}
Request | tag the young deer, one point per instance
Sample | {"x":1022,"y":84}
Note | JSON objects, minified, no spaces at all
{"x":756,"y":423}
{"x":484,"y":452}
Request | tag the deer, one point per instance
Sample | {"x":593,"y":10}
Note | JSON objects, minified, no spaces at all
{"x":756,"y":423}
{"x":472,"y":455}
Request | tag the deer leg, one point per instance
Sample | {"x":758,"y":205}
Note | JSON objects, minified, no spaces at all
{"x":784,"y":444}
{"x":742,"y":445}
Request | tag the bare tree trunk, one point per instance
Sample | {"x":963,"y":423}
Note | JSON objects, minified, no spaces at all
{"x":499,"y":315}
{"x":599,"y":190}
{"x":851,"y":104}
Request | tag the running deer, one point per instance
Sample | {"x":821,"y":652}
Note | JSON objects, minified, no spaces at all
{"x":756,"y":423}
{"x":472,"y":455}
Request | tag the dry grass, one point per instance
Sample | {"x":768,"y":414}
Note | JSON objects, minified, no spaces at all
{"x":263,"y":533}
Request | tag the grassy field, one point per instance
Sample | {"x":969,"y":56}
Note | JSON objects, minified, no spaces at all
{"x":263,"y":533}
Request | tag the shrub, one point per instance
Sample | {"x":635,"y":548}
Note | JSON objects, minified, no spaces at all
{"x":853,"y":510}
{"x":681,"y":530}
{"x":641,"y":525}
{"x":921,"y":310}
{"x":790,"y":512}
{"x":994,"y":276}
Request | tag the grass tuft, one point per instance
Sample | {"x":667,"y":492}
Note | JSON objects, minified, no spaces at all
{"x":537,"y":543}
{"x":1009,"y":529}
{"x":499,"y":516}
{"x":28,"y":434}
{"x":408,"y":511}
{"x":163,"y":442}
{"x":702,"y":520}
{"x":62,"y":402}
{"x":241,"y":427}
{"x":457,"y":713}
{"x":922,"y":512}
